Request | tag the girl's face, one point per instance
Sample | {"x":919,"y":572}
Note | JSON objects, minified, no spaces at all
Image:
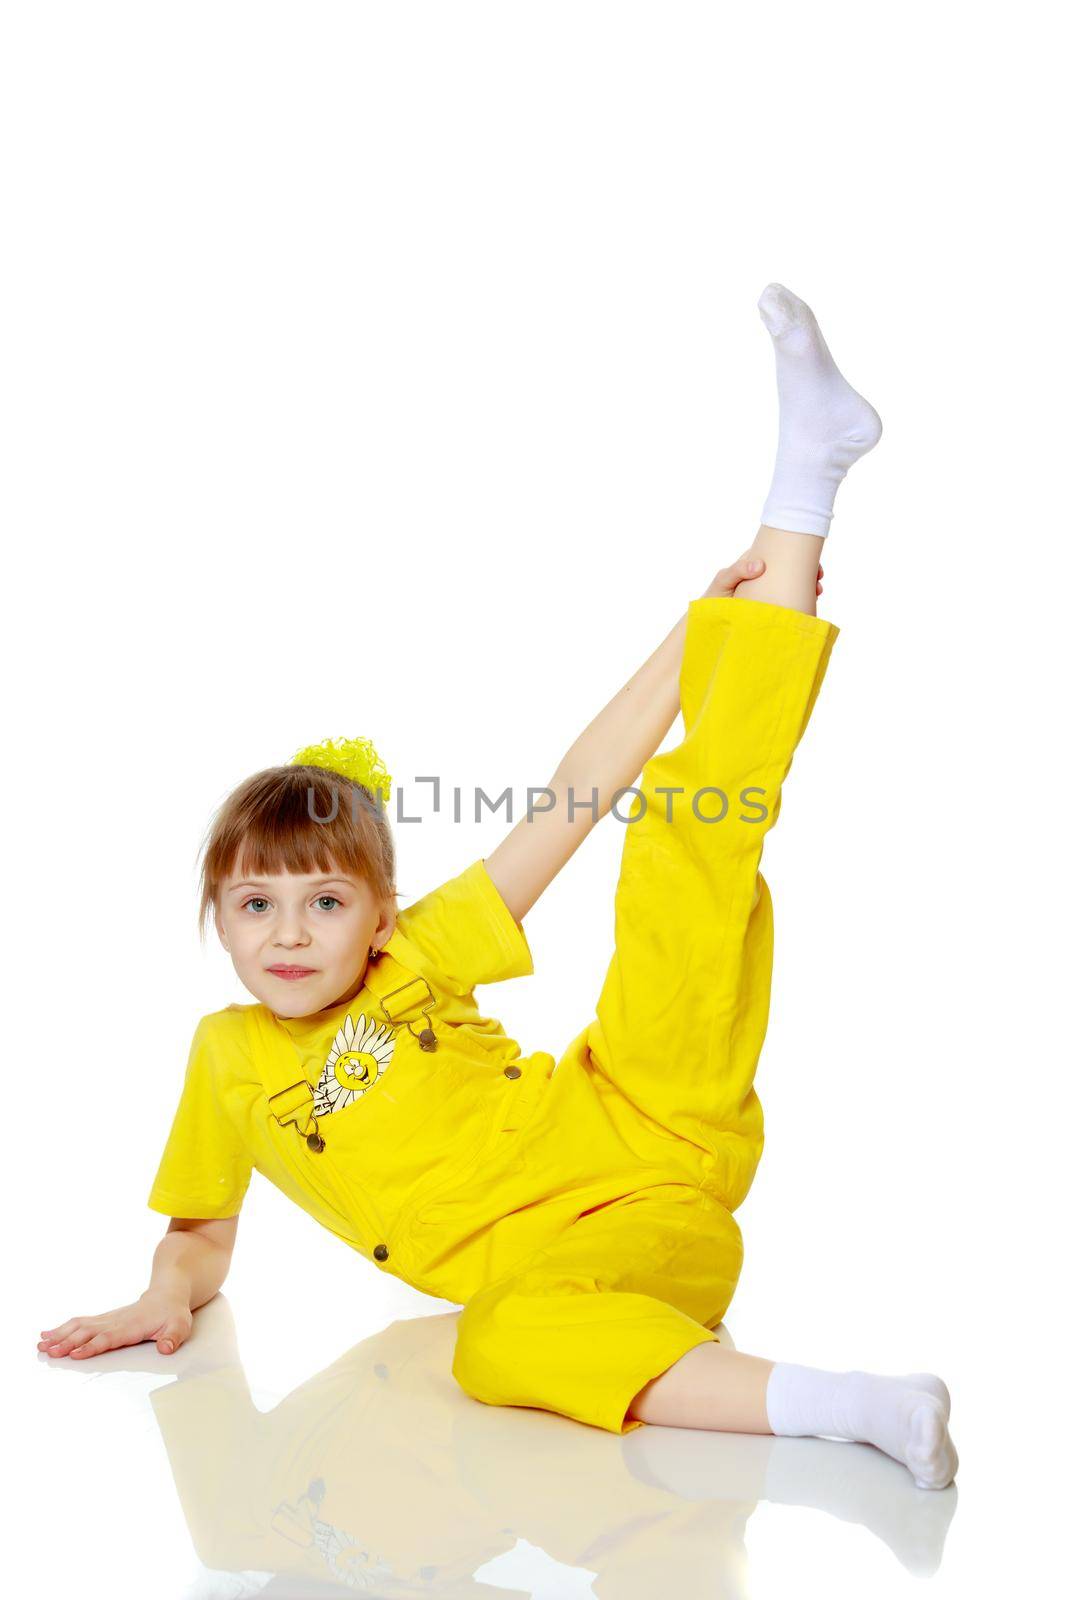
{"x":300,"y":944}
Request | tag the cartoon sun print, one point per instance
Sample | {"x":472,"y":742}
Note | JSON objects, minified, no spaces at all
{"x":358,"y":1057}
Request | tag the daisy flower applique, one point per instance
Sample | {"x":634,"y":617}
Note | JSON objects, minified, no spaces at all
{"x":359,"y":1055}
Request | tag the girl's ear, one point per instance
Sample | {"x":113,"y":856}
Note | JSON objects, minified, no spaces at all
{"x":386,"y":927}
{"x":221,"y":931}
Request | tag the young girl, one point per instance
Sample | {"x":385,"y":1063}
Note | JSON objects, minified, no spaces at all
{"x":580,"y":1210}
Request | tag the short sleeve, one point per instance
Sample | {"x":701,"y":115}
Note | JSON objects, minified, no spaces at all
{"x":467,"y":931}
{"x":205,"y":1168}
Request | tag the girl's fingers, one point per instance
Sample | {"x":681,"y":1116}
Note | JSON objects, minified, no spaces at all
{"x":64,"y":1328}
{"x":96,"y":1346}
{"x":726,"y":581}
{"x":169,"y":1337}
{"x":747,"y":567}
{"x":82,"y":1335}
{"x":63,"y":1347}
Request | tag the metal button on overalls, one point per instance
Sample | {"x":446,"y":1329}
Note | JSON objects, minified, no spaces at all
{"x":513,"y":1072}
{"x":381,"y":1252}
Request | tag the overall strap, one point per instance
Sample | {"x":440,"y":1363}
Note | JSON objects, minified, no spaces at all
{"x":403,"y":994}
{"x":275,"y":1058}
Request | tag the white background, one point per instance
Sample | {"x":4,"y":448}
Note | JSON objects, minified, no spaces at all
{"x":396,"y":370}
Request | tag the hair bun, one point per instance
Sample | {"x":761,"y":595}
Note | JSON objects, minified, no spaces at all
{"x":356,"y":759}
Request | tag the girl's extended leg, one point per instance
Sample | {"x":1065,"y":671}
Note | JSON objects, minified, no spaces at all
{"x":713,"y":1387}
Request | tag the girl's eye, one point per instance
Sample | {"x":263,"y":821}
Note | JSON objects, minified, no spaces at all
{"x":256,"y":900}
{"x":331,"y":897}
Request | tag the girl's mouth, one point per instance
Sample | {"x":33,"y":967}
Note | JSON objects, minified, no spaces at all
{"x":291,"y":972}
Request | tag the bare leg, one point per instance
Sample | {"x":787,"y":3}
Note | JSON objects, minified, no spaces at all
{"x":708,"y":1387}
{"x":791,"y":569}
{"x":727,"y":1392}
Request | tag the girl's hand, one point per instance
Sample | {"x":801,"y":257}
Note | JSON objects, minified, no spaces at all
{"x":154,"y":1316}
{"x":744,"y":569}
{"x":726,"y":581}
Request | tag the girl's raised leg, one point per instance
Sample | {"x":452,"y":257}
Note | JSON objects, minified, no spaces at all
{"x":825,"y":426}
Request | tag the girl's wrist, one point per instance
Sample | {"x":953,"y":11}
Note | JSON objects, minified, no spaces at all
{"x":166,"y":1294}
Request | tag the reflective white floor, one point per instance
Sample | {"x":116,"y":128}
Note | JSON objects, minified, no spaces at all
{"x":199,"y":1477}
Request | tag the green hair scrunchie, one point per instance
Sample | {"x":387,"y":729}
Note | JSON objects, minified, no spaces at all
{"x":352,"y":758}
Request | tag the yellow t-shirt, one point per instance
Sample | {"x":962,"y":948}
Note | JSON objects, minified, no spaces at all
{"x":457,"y":936}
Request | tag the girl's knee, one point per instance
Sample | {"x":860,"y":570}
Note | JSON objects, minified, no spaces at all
{"x":489,"y":1348}
{"x":507,"y":1330}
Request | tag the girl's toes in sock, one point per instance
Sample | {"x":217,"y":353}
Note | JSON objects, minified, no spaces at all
{"x":930,"y":1456}
{"x":784,"y":313}
{"x":933,"y":1385}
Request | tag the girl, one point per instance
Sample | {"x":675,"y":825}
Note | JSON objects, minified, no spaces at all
{"x":580,"y":1210}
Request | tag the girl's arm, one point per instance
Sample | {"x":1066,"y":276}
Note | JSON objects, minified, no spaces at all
{"x":610,"y":755}
{"x":189,"y":1267}
{"x":192,"y":1260}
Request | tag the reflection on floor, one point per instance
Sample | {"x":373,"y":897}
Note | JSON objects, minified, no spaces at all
{"x":380,"y":1475}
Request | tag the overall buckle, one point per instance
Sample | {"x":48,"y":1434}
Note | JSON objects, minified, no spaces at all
{"x":415,"y":995}
{"x":296,"y":1105}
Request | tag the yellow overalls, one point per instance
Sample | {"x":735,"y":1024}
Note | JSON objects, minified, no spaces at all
{"x":579,"y":1210}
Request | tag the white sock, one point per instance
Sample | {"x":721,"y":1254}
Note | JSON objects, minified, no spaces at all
{"x":824,"y":426}
{"x":906,"y":1417}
